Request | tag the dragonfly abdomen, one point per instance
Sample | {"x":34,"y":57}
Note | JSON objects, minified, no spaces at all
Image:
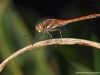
{"x":64,"y":22}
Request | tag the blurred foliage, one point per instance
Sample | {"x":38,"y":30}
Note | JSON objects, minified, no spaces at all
{"x":15,"y":22}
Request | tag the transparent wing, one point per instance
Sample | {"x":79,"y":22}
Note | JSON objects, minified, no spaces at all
{"x":57,"y":33}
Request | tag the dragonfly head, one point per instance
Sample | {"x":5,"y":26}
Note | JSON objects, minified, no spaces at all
{"x":39,"y":27}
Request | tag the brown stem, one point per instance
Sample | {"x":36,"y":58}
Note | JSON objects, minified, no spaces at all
{"x":60,"y":41}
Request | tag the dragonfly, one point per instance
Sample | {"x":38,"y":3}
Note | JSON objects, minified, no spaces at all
{"x":53,"y":24}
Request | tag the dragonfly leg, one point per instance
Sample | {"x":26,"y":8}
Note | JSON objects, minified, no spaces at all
{"x":49,"y":35}
{"x":59,"y":32}
{"x":39,"y":38}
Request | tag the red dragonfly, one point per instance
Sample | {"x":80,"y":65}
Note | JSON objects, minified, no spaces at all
{"x":52,"y":24}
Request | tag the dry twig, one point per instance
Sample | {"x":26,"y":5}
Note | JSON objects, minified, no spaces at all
{"x":61,"y":41}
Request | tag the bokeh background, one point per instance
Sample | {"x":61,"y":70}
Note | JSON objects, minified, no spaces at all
{"x":19,"y":17}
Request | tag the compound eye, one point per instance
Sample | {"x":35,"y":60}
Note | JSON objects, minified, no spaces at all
{"x":39,"y":27}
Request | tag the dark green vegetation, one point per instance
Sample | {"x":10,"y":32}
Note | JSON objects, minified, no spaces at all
{"x":17,"y":21}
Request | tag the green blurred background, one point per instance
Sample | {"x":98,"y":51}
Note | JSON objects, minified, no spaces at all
{"x":19,"y":17}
